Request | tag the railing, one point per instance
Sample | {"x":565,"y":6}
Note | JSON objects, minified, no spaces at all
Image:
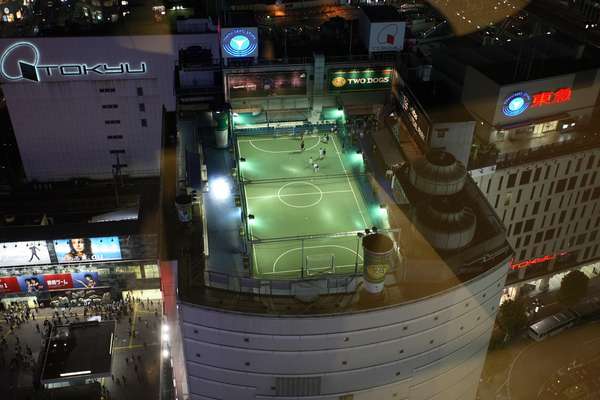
{"x":280,"y":287}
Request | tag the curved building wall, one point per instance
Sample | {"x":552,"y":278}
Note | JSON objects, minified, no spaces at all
{"x":433,"y":348}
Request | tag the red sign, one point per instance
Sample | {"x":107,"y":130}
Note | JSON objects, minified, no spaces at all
{"x":59,"y":281}
{"x":545,"y":98}
{"x":527,"y":263}
{"x":9,"y":285}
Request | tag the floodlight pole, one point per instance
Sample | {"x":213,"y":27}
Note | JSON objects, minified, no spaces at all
{"x":302,"y":259}
{"x":358,"y":236}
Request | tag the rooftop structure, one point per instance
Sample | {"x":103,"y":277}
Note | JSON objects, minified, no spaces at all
{"x":78,"y":351}
{"x":381,"y":13}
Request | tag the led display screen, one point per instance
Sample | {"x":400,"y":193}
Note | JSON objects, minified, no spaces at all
{"x":267,"y":84}
{"x":24,"y":253}
{"x":87,"y":249}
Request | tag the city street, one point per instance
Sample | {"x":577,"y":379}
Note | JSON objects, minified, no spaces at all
{"x":527,"y":370}
{"x":136,"y":356}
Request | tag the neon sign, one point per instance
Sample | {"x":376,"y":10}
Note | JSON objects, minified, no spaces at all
{"x":518,"y":102}
{"x":239,"y":43}
{"x":527,"y":263}
{"x":544,"y":98}
{"x":31,"y":69}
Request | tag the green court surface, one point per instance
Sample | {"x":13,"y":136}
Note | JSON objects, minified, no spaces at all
{"x":305,"y":222}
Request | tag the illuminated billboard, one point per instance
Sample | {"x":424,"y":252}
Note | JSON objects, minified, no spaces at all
{"x":360,"y":79}
{"x":9,"y":285}
{"x":22,"y":60}
{"x":285,"y":83}
{"x":239,"y":42}
{"x":87,"y":249}
{"x":517,"y":103}
{"x":24,"y":253}
{"x":386,"y":36}
{"x":48,"y":282}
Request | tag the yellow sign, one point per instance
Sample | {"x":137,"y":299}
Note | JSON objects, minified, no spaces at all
{"x":376,"y":272}
{"x":338,"y":81}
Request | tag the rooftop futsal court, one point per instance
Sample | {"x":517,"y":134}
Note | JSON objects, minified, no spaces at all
{"x":302,"y":219}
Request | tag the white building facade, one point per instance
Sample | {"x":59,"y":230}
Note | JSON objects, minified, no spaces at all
{"x":431,"y":348}
{"x":79,"y":103}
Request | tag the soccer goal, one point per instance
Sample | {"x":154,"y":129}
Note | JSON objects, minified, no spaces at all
{"x":317,"y":264}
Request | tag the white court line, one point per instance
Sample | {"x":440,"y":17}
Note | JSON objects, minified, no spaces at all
{"x":312,"y":247}
{"x":312,"y":269}
{"x":270,"y":196}
{"x":350,"y":184}
{"x":295,"y":137}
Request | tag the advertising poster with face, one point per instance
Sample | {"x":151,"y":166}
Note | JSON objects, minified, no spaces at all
{"x":32,"y":283}
{"x":87,"y":249}
{"x":85,"y":280}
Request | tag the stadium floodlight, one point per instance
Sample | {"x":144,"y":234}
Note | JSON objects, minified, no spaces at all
{"x":165,"y":353}
{"x":220,"y":189}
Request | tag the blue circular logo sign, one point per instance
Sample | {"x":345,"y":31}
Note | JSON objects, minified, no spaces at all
{"x":516,"y":104}
{"x":239,"y":43}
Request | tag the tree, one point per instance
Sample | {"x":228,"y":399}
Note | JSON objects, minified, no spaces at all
{"x":512,"y":317}
{"x":573,"y":288}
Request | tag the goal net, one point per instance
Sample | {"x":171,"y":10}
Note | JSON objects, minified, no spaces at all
{"x":319,"y":264}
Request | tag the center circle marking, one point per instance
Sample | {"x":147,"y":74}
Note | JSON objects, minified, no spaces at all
{"x":314,"y":203}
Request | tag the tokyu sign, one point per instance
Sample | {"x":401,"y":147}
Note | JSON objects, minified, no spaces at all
{"x":22,"y":60}
{"x":360,"y":79}
{"x":517,"y":103}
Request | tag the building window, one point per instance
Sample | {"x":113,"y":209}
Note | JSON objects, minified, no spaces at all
{"x":547,"y":172}
{"x":549,"y":234}
{"x":140,"y":91}
{"x":526,"y":240}
{"x":572,"y":182}
{"x":114,"y":137}
{"x":142,"y":107}
{"x":525,"y":177}
{"x":536,"y":207}
{"x":547,"y":205}
{"x":112,"y":121}
{"x":536,"y":176}
{"x":120,"y":151}
{"x":590,"y":162}
{"x":107,"y":90}
{"x":560,"y":186}
{"x":512,"y":179}
{"x":500,"y":182}
{"x":105,"y":106}
{"x":578,"y":165}
{"x":562,"y":216}
{"x":538,"y":237}
{"x":144,"y":122}
{"x":528,"y":225}
{"x":518,"y":227}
